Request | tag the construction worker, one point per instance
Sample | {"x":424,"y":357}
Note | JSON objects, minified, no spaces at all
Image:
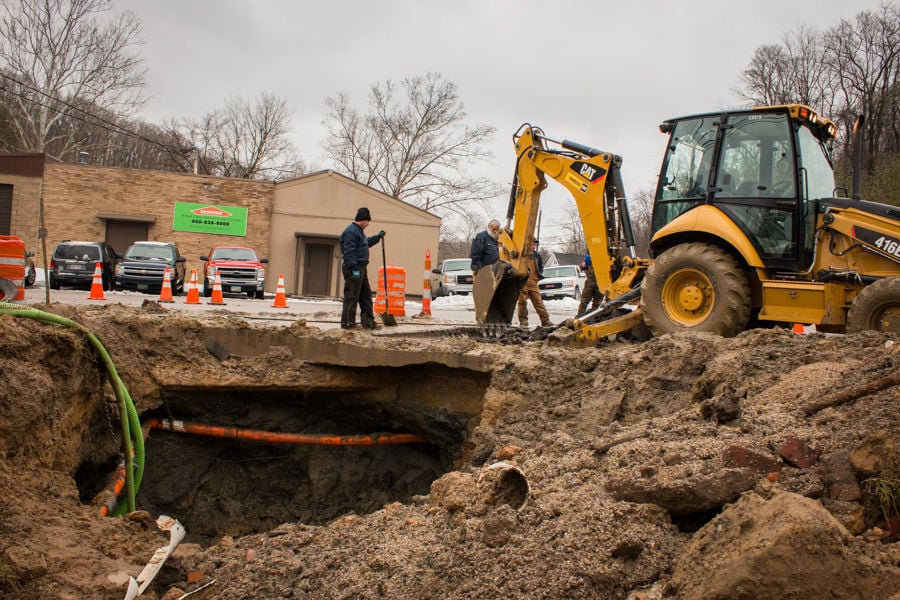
{"x":591,"y":293}
{"x":355,"y":252}
{"x":484,"y":251}
{"x":531,"y":291}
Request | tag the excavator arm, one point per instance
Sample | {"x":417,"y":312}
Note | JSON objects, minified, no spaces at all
{"x":594,"y":180}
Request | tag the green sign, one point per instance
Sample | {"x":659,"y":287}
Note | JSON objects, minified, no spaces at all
{"x":210,"y":218}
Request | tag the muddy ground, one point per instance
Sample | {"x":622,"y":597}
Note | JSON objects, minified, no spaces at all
{"x":688,"y":466}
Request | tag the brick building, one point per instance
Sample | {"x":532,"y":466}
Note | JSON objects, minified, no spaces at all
{"x":296,"y":224}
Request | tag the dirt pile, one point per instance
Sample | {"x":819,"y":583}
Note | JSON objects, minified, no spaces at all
{"x":687,"y":466}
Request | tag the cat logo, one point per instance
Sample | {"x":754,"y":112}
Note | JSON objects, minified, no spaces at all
{"x":590,"y":172}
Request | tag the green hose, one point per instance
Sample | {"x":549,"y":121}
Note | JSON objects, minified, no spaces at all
{"x":132,"y":438}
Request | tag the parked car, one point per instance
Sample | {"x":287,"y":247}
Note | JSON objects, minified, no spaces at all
{"x":454,"y":276}
{"x":144,"y":263}
{"x":30,"y":273}
{"x":563,"y":281}
{"x":240,"y":271}
{"x":73,"y":264}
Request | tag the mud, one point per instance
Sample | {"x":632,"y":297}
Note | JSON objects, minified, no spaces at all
{"x":686,"y":466}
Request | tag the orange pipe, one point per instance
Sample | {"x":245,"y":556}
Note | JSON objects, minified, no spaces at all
{"x":110,"y":496}
{"x":375,"y":439}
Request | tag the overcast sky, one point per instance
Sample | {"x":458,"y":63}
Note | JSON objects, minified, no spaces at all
{"x":601,"y":73}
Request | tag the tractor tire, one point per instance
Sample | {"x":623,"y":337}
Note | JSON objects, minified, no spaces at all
{"x":696,"y":287}
{"x":877,"y":307}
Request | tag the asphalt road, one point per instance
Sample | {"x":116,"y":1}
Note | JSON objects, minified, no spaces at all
{"x":321,"y":313}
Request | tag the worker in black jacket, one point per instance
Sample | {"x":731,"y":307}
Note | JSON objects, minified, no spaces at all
{"x":355,"y":253}
{"x":485,"y":251}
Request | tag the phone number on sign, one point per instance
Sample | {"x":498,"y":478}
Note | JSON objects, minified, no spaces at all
{"x":209,"y":222}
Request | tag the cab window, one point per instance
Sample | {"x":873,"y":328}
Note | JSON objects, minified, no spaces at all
{"x":756,"y":183}
{"x":757,"y":159}
{"x":685,"y":176}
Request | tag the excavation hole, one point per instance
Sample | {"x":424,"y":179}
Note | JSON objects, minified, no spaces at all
{"x":224,"y":486}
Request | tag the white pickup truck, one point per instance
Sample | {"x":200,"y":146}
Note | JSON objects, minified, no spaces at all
{"x":454,"y":276}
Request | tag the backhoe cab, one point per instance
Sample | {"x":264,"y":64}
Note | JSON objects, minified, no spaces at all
{"x":746,"y":228}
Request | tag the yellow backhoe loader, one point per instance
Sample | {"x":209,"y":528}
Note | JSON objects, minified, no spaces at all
{"x":747,"y":228}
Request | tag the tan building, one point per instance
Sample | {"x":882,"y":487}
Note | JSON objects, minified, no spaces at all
{"x":310,"y":212}
{"x":296,"y":223}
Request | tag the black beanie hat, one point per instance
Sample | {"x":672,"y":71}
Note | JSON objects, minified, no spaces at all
{"x":363,"y":215}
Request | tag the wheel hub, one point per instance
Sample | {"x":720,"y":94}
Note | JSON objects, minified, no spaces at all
{"x":890,"y":320}
{"x":691,"y":298}
{"x":688,"y":296}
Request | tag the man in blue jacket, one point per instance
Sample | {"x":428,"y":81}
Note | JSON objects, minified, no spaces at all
{"x":355,"y":252}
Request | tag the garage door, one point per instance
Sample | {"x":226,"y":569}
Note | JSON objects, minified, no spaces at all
{"x":121,"y":234}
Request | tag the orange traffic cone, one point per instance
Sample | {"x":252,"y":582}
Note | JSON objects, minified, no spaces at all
{"x":97,"y":284}
{"x":280,"y":297}
{"x":165,"y":293}
{"x":193,"y":295}
{"x":216,"y":297}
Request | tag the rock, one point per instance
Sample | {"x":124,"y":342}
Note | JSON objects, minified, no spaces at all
{"x":840,"y":478}
{"x":784,"y":547}
{"x":876,"y":451}
{"x":798,"y":453}
{"x":454,"y":491}
{"x":722,"y":408}
{"x":508,"y":452}
{"x":737,"y":456}
{"x":682,"y":495}
{"x":598,"y":410}
{"x":851,"y":515}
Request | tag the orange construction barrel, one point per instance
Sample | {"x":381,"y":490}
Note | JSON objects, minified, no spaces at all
{"x":396,"y":291}
{"x":12,"y":268}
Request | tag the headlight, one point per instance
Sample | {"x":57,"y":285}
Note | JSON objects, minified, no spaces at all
{"x":120,"y":270}
{"x":568,"y":283}
{"x":260,"y":273}
{"x":210,"y":272}
{"x":450,"y":279}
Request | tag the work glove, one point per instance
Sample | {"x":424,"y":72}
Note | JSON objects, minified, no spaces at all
{"x":381,"y":234}
{"x":354,"y":274}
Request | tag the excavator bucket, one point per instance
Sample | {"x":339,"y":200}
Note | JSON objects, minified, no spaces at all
{"x":495,"y":296}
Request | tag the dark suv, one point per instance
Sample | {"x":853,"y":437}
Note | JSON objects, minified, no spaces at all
{"x":73,"y":264}
{"x":143,"y":264}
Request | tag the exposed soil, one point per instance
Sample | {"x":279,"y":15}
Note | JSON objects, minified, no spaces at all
{"x":686,"y":466}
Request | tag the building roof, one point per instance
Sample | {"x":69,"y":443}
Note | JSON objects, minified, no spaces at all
{"x":328,"y":173}
{"x":563,"y":258}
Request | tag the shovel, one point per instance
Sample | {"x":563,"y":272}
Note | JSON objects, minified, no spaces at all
{"x":386,"y":318}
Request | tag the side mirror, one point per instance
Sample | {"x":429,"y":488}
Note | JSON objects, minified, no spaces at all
{"x":204,"y":258}
{"x":437,"y":271}
{"x":264,"y":260}
{"x":180,"y":259}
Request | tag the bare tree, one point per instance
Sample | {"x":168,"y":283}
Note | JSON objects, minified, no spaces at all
{"x":253,"y":143}
{"x":246,"y":139}
{"x":641,"y":208}
{"x":851,"y":69}
{"x":59,"y":56}
{"x":791,"y":72}
{"x":572,"y":240}
{"x":412,"y":144}
{"x":865,"y":55}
